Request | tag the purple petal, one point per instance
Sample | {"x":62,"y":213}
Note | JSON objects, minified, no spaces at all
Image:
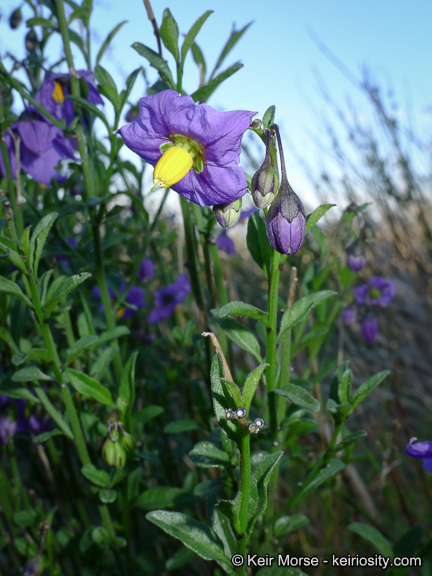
{"x":146,"y":271}
{"x":369,"y":329}
{"x":360,"y":293}
{"x":419,"y":450}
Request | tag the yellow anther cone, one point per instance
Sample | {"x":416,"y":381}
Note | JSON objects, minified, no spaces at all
{"x":58,"y":94}
{"x":174,"y":164}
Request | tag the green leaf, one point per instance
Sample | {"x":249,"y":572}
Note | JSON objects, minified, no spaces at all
{"x":182,"y":557}
{"x":257,"y":242}
{"x":221,"y":398}
{"x":367,"y":387}
{"x":96,"y":476}
{"x":106,"y":85}
{"x":14,"y":390}
{"x":251,"y":385}
{"x":127,"y":389}
{"x":43,"y":285}
{"x":231,"y":509}
{"x":78,"y":347}
{"x":259,"y":482}
{"x":313,"y":481}
{"x":179,"y":426}
{"x":408,"y":543}
{"x":163,"y":497}
{"x":239,"y":334}
{"x":130,"y":81}
{"x":30,"y":373}
{"x":10,"y":250}
{"x":45,"y":436}
{"x":107,"y":41}
{"x":206,"y":91}
{"x":109,"y":335}
{"x":222,"y":526}
{"x":25,"y":517}
{"x":300,"y":311}
{"x":25,"y":242}
{"x":44,"y":22}
{"x":318,"y":213}
{"x":299,"y":396}
{"x":268,"y":118}
{"x":83,"y":103}
{"x":289,"y":524}
{"x":63,"y":289}
{"x":156,"y":61}
{"x":40,"y":354}
{"x":192,"y":34}
{"x":340,"y":373}
{"x":244,"y":310}
{"x":196,"y":535}
{"x":107,"y":496}
{"x":231,"y":42}
{"x":207,"y":455}
{"x":84,"y":384}
{"x":38,"y":239}
{"x":11,"y":289}
{"x":374,"y":536}
{"x":145,"y":415}
{"x":169,"y":33}
{"x":78,"y":40}
{"x":199,"y":60}
{"x":348,"y":441}
{"x":100,"y":365}
{"x":234,"y":391}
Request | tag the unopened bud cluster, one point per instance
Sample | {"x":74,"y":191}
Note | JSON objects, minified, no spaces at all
{"x":117,"y":443}
{"x":240,"y":414}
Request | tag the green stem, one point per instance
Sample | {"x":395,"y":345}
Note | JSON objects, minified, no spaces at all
{"x":245,"y":479}
{"x":271,"y":341}
{"x":192,"y":255}
{"x":16,"y":221}
{"x":218,"y":272}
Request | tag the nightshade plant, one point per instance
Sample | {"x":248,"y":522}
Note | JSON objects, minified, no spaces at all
{"x":167,"y":429}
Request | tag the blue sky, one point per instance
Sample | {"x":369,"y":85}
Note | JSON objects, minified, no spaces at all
{"x":280,"y":57}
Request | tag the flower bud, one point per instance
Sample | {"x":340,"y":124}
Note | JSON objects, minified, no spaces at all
{"x":131,"y":114}
{"x":369,"y":327}
{"x":265,"y":181}
{"x":255,"y":124}
{"x":240,"y":413}
{"x":15,"y":18}
{"x":286,"y":218}
{"x":31,"y":41}
{"x":356,"y":257}
{"x":127,"y":441}
{"x":228,"y":214}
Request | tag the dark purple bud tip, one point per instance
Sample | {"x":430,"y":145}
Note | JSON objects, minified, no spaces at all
{"x":356,"y":257}
{"x":15,"y":19}
{"x":31,"y":41}
{"x":286,"y":221}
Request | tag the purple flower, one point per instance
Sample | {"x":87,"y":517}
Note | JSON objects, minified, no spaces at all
{"x":369,"y":327}
{"x":7,"y":428}
{"x":54,"y":90}
{"x":42,"y":146}
{"x":210,"y":173}
{"x":224,"y":242}
{"x":378,"y":292}
{"x":167,"y":299}
{"x":420,"y":451}
{"x":356,"y":257}
{"x":135,"y":297}
{"x":349,"y":315}
{"x":286,"y":218}
{"x":146,"y":271}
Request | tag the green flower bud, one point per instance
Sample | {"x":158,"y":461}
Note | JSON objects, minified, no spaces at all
{"x":228,"y":214}
{"x":265,"y":180}
{"x":127,"y":441}
{"x":31,"y":41}
{"x":15,"y":18}
{"x":109,"y":452}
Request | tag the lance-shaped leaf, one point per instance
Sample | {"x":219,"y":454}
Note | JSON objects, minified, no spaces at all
{"x":318,"y":213}
{"x":130,"y":81}
{"x":268,"y":117}
{"x":163,"y":497}
{"x":231,"y":509}
{"x":107,"y":41}
{"x":192,"y":34}
{"x":231,"y":42}
{"x":25,"y":242}
{"x":11,"y":289}
{"x":206,"y":91}
{"x":244,"y":310}
{"x":10,"y":251}
{"x":222,"y":526}
{"x":96,"y":476}
{"x":374,"y":536}
{"x":221,"y":398}
{"x":367,"y":387}
{"x":100,"y":365}
{"x":234,"y":391}
{"x":259,"y":482}
{"x":169,"y":33}
{"x":239,"y":334}
{"x":30,"y":373}
{"x":15,"y":390}
{"x":289,"y":524}
{"x":63,"y":289}
{"x":257,"y":242}
{"x":156,"y":61}
{"x":127,"y":389}
{"x":313,"y":481}
{"x":78,"y":347}
{"x":348,"y":441}
{"x":107,"y":86}
{"x":300,"y":311}
{"x":207,"y":455}
{"x":84,"y":384}
{"x":40,"y":354}
{"x":83,"y":103}
{"x":251,"y":385}
{"x":194,"y":534}
{"x":38,"y":239}
{"x":299,"y":396}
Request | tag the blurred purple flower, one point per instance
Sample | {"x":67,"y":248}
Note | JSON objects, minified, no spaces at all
{"x":349,"y":315}
{"x":166,"y":299}
{"x":135,"y":297}
{"x":369,"y":327}
{"x":212,"y":139}
{"x":146,"y":271}
{"x":54,"y":90}
{"x":42,"y":146}
{"x":225,"y":243}
{"x":356,"y":259}
{"x":420,"y":451}
{"x":7,"y":428}
{"x":378,"y":292}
